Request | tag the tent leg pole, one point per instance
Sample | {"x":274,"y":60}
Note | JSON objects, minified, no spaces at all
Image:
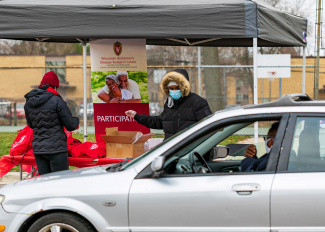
{"x":84,"y":54}
{"x":280,"y":87}
{"x":304,"y":70}
{"x":199,"y":68}
{"x":255,"y":88}
{"x":20,"y":172}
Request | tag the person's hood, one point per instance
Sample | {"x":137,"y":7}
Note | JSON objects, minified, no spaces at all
{"x":37,"y":97}
{"x":181,"y":80}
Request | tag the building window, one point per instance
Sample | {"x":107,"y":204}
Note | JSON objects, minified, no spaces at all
{"x":239,"y":96}
{"x":239,"y":82}
{"x":245,"y":96}
{"x":61,"y":72}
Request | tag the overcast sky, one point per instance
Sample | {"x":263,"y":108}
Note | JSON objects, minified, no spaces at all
{"x":306,"y":9}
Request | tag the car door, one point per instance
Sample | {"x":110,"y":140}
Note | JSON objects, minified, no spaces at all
{"x":228,"y":201}
{"x":298,"y":191}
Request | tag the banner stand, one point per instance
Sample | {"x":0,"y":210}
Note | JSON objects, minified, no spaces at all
{"x":119,"y":82}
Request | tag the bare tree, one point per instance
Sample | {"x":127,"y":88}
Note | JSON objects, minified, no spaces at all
{"x":11,"y":47}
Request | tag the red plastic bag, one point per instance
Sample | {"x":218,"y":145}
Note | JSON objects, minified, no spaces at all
{"x":30,"y":153}
{"x":23,"y":142}
{"x":69,"y":136}
{"x":74,"y":143}
{"x":5,"y":166}
{"x":93,"y":150}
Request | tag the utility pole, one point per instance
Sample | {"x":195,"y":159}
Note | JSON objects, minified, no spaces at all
{"x":318,"y":37}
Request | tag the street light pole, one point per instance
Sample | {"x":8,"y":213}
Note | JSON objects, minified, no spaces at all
{"x":319,"y":24}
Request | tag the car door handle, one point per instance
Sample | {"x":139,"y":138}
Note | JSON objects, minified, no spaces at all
{"x":245,"y":189}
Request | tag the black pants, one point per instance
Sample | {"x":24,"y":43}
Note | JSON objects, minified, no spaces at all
{"x":52,"y":163}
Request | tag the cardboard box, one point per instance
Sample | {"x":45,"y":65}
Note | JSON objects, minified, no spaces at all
{"x":119,"y":143}
{"x":111,"y":130}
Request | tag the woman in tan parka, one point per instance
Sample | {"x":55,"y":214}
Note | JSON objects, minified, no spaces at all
{"x":182,"y":107}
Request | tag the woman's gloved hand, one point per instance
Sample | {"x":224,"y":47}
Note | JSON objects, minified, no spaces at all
{"x":130,"y":113}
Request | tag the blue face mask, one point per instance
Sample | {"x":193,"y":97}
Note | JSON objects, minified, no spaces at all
{"x":175,"y":94}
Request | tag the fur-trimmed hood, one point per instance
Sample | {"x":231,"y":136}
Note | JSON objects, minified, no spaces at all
{"x":181,"y":80}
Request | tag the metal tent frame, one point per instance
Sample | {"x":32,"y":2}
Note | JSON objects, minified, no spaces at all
{"x":240,"y":23}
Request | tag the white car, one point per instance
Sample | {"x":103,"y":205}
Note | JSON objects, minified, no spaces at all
{"x":90,"y":110}
{"x":4,"y":107}
{"x":185,"y":184}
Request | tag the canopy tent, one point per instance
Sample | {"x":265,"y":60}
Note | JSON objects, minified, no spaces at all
{"x":228,"y":23}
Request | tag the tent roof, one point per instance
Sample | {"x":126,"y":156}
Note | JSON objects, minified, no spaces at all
{"x":229,"y":23}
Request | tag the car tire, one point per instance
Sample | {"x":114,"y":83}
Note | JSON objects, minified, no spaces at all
{"x":66,"y":221}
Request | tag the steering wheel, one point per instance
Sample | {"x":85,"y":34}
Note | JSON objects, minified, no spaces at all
{"x":201,"y":159}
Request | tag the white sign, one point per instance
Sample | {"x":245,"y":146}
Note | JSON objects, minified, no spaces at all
{"x":118,"y":55}
{"x":158,"y":75}
{"x":274,"y":66}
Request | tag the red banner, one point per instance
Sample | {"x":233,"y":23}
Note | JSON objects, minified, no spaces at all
{"x":113,"y":115}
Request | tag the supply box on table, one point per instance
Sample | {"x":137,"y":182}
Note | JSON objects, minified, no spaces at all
{"x":124,"y":144}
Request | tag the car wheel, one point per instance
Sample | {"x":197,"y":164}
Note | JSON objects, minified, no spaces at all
{"x":61,"y":222}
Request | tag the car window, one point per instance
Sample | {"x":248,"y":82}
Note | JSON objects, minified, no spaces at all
{"x":133,"y":162}
{"x":235,"y":138}
{"x":307,"y":149}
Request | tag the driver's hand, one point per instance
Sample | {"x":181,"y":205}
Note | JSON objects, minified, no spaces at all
{"x":250,"y":151}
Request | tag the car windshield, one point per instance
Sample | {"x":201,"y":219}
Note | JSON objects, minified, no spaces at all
{"x":136,"y":160}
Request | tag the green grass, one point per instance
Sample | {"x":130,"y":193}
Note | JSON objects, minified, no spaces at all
{"x":234,"y":139}
{"x":6,"y":141}
{"x":91,"y":138}
{"x":8,"y":138}
{"x":158,"y":136}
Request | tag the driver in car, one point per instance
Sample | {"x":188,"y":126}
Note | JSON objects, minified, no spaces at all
{"x":251,"y":162}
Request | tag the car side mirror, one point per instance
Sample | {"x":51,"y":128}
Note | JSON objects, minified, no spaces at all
{"x":219,"y":152}
{"x":157,"y":166}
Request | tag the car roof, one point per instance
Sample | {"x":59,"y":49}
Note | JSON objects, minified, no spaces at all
{"x":292,"y":103}
{"x":296,"y":99}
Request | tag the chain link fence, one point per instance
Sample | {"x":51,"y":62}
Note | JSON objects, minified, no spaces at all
{"x":223,"y":76}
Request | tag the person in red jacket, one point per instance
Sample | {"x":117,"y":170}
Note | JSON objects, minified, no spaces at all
{"x":47,"y":113}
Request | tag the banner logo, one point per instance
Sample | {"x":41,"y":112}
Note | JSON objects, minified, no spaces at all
{"x":117,"y":48}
